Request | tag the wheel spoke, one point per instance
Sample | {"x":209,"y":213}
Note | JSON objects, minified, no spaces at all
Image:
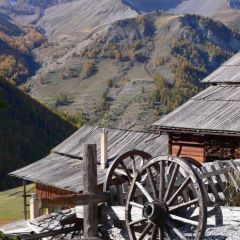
{"x":161,"y":179}
{"x":183,"y":205}
{"x":161,"y":233}
{"x":144,"y":191}
{"x":154,"y":233}
{"x":116,"y":175}
{"x":145,"y":231}
{"x":166,"y":233}
{"x":120,"y":173}
{"x":175,"y":230}
{"x":170,"y":165}
{"x":184,"y":220}
{"x":171,"y":183}
{"x":152,"y":184}
{"x":136,"y":205}
{"x":133,"y":164}
{"x":173,"y":198}
{"x":137,"y":221}
{"x":126,"y":170}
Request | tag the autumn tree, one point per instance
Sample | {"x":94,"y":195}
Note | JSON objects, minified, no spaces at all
{"x":87,"y":70}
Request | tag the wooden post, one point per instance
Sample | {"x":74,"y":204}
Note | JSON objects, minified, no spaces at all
{"x":24,"y":200}
{"x":35,"y":205}
{"x":104,"y":147}
{"x":90,"y":221}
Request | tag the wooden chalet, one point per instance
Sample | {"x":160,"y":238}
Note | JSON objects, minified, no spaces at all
{"x":207,"y":127}
{"x":61,"y":172}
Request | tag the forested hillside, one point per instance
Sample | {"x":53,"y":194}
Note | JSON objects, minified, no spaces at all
{"x":16,"y":44}
{"x":28,"y":131}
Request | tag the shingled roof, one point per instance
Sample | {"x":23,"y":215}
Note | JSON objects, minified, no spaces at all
{"x":228,"y":72}
{"x":215,"y":110}
{"x":63,"y":167}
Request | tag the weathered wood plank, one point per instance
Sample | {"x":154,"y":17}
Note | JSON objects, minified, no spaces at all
{"x":90,"y":221}
{"x":74,"y":199}
{"x":208,"y":174}
{"x":51,"y":233}
{"x":212,"y":185}
{"x":220,"y":183}
{"x":221,"y":175}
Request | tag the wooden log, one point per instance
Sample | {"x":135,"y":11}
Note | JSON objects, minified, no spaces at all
{"x":90,"y":222}
{"x":74,"y":199}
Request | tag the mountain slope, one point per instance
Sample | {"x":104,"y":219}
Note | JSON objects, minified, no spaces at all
{"x":68,"y":17}
{"x":202,"y":7}
{"x":83,"y":17}
{"x":28,"y":131}
{"x":134,"y":70}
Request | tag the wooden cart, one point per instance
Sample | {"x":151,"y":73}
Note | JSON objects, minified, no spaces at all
{"x":167,"y":197}
{"x":157,"y":198}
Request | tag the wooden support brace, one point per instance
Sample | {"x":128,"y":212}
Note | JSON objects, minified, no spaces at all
{"x":74,"y":199}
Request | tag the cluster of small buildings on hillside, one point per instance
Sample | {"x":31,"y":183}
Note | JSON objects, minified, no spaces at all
{"x":206,"y":128}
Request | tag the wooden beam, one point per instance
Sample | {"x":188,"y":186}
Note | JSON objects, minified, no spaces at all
{"x":74,"y":199}
{"x":90,"y":221}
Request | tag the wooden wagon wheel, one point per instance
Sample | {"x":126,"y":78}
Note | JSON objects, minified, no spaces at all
{"x":122,"y":170}
{"x":165,"y":213}
{"x":194,"y":163}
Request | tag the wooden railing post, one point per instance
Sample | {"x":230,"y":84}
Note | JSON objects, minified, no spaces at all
{"x":90,"y":221}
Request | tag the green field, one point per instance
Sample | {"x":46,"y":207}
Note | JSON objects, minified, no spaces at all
{"x":11,"y":204}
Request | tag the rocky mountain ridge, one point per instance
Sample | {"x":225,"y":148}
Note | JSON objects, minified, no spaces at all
{"x":34,"y":10}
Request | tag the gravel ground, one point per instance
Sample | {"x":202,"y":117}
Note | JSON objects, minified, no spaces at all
{"x":227,"y":232}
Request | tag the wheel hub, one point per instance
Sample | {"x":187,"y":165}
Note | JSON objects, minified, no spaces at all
{"x":156,"y":212}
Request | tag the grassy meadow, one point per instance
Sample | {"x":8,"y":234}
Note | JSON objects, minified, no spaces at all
{"x":11,"y":204}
